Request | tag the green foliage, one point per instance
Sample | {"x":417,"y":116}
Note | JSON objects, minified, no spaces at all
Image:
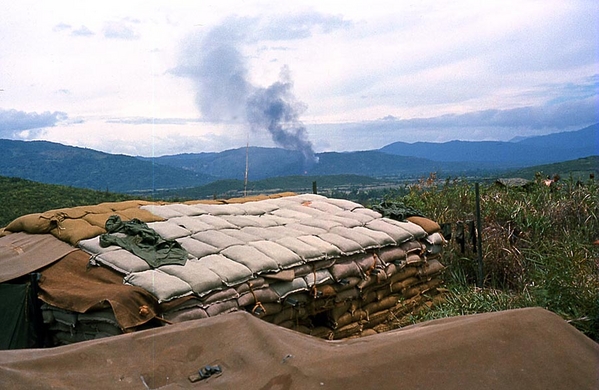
{"x":537,"y":248}
{"x":19,"y":197}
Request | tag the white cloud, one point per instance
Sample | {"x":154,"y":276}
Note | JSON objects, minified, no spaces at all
{"x":120,"y":30}
{"x":25,"y":125}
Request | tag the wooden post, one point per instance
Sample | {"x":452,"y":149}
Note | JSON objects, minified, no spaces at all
{"x":479,"y":240}
{"x":314,"y":189}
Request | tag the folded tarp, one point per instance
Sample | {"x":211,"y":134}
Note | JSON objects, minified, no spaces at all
{"x":71,"y":284}
{"x":23,"y":253}
{"x":518,"y":349}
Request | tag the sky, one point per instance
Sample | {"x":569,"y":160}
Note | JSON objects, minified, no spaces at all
{"x":152,"y":78}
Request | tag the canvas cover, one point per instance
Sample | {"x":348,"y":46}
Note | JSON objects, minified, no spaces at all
{"x":72,"y":285}
{"x":517,"y":349}
{"x":22,"y":253}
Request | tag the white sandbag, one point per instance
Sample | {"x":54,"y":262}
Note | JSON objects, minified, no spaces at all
{"x":217,"y":239}
{"x":365,"y":241}
{"x":192,"y":224}
{"x":230,"y":272}
{"x":92,"y":245}
{"x":163,"y":286}
{"x":169,"y":230}
{"x":285,"y":288}
{"x":252,"y":258}
{"x":329,"y":250}
{"x":197,"y":248}
{"x":396,"y":232}
{"x":164,"y":211}
{"x":201,"y":278}
{"x":121,"y":260}
{"x":348,"y":247}
{"x":305,"y":251}
{"x":285,"y":257}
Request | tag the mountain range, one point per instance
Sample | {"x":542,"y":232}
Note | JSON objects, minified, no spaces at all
{"x":54,"y":163}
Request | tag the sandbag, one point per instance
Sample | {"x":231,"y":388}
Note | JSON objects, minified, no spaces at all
{"x":31,"y":223}
{"x":75,"y":230}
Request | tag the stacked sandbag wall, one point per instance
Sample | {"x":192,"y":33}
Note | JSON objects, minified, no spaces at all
{"x":336,"y":298}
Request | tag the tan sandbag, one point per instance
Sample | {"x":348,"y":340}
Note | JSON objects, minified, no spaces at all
{"x":383,"y":292}
{"x":419,"y":289}
{"x":222,"y":307}
{"x":347,"y":330}
{"x":368,"y":332}
{"x":31,"y":223}
{"x":324,"y":291}
{"x":219,"y":296}
{"x":392,"y":254}
{"x":281,"y":195}
{"x":349,"y":317}
{"x":323,"y":332}
{"x":263,"y":295}
{"x":137,"y":213}
{"x":428,"y":225}
{"x":70,"y":212}
{"x":431,"y":267}
{"x":384,"y":304}
{"x":205,"y":201}
{"x":100,"y":219}
{"x":406,"y":283}
{"x":377,"y":318}
{"x":340,"y":309}
{"x":247,"y":199}
{"x":290,"y":313}
{"x":74,"y":230}
{"x":127,"y":204}
{"x":263,"y":309}
{"x":403,"y":274}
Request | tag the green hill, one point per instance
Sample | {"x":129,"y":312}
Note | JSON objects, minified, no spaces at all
{"x":19,"y":197}
{"x":579,"y":169}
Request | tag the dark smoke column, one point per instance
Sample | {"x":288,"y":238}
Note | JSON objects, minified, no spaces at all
{"x":275,"y":108}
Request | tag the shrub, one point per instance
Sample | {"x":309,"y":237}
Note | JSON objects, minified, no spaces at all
{"x":537,"y":248}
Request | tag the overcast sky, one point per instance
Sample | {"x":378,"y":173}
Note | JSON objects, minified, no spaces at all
{"x":153,"y":78}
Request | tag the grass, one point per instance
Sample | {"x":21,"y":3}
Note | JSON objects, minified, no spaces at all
{"x":537,"y":248}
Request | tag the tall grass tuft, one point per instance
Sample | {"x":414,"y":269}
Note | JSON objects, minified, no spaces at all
{"x":537,"y":248}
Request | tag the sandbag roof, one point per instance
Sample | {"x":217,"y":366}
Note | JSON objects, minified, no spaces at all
{"x":517,"y":349}
{"x":229,"y":244}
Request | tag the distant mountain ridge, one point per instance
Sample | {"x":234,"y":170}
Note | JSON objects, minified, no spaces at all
{"x":543,"y":149}
{"x":54,"y":163}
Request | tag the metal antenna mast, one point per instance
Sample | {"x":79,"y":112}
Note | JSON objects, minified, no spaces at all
{"x":247,"y":165}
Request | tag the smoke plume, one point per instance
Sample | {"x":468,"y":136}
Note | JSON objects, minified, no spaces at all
{"x":224,"y":92}
{"x":276,"y":109}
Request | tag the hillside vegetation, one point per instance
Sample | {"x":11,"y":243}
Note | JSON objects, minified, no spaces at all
{"x":19,"y":197}
{"x":537,"y":248}
{"x":579,"y":169}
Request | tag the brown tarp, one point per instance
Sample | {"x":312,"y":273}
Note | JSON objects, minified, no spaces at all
{"x":70,"y":284}
{"x":518,"y":349}
{"x":23,"y":253}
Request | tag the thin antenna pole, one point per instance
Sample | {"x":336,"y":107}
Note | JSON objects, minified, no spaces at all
{"x":247,"y":166}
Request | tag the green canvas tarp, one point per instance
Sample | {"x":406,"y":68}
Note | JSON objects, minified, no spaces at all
{"x":17,"y":316}
{"x":22,"y":254}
